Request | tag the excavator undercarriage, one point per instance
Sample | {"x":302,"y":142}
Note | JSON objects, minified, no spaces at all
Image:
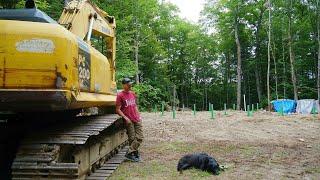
{"x":77,"y":149}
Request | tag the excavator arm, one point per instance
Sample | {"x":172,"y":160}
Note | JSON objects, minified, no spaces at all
{"x":84,"y":19}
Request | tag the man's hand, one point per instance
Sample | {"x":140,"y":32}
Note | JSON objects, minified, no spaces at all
{"x":128,"y":121}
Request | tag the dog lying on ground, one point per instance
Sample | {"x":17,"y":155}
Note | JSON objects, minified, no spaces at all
{"x":199,"y":161}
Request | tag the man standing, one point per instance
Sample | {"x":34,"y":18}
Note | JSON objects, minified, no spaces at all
{"x":127,"y":108}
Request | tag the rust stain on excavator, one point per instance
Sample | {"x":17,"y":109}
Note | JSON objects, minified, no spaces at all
{"x":60,"y":80}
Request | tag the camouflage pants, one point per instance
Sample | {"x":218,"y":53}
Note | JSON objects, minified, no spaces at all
{"x":135,"y":135}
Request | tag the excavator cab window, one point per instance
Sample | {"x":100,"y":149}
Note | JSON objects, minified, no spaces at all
{"x":99,"y":43}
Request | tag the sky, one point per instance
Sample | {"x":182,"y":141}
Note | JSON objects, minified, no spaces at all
{"x":189,"y":9}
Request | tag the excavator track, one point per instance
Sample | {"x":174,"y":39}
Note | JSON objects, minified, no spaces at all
{"x":72,"y":150}
{"x":111,"y":165}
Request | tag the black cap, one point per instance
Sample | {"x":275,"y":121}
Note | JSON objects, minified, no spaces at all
{"x":126,"y":81}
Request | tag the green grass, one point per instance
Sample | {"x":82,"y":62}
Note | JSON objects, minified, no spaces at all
{"x":165,"y":156}
{"x":176,"y":147}
{"x":155,"y":169}
{"x":160,"y":160}
{"x":313,"y":170}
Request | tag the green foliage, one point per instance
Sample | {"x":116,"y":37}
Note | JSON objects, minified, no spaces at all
{"x":253,"y":15}
{"x":148,"y":96}
{"x":8,"y":4}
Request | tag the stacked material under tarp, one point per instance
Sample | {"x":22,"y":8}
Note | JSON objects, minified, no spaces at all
{"x":284,"y":105}
{"x":305,"y":106}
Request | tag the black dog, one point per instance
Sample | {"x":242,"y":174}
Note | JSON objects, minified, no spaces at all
{"x":199,"y":161}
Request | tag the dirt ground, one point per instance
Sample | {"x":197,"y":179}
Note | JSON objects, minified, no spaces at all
{"x":265,"y":146}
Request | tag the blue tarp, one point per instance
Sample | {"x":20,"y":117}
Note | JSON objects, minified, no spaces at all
{"x":285,"y":105}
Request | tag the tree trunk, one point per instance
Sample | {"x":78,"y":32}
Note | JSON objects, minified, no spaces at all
{"x":239,"y":60}
{"x":136,"y":57}
{"x":257,"y":52}
{"x":268,"y":73}
{"x":174,"y":98}
{"x":284,"y":72}
{"x":137,"y":42}
{"x":318,"y":28}
{"x":227,"y":76}
{"x":292,"y":58}
{"x":275,"y":68}
{"x":257,"y":77}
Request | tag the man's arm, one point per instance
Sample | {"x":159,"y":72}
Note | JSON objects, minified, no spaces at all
{"x":118,"y":110}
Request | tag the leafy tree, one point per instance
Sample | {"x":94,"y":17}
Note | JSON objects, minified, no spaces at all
{"x":217,"y":61}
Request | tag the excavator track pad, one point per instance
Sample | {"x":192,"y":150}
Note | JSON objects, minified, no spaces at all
{"x":84,"y":147}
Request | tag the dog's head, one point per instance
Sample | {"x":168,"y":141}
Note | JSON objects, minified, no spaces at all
{"x":183,"y":161}
{"x":213,"y":167}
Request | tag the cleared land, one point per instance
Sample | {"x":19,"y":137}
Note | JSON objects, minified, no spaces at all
{"x":265,"y":146}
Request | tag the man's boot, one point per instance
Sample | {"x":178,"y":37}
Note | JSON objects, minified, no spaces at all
{"x":131,"y":157}
{"x":137,"y":155}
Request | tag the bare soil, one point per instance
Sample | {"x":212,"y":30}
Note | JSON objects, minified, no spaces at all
{"x":264,"y":146}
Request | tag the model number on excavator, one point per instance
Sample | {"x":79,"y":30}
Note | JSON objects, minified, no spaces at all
{"x":84,"y":70}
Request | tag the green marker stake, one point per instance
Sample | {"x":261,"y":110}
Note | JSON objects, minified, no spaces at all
{"x":162,"y":109}
{"x":234,"y":106}
{"x":210,"y":107}
{"x":248,"y":110}
{"x":194,"y":109}
{"x":174,"y":113}
{"x":212,"y":112}
{"x":155,"y":109}
{"x":252,"y":107}
{"x":257,"y":106}
{"x":314,"y":112}
{"x":225,"y":109}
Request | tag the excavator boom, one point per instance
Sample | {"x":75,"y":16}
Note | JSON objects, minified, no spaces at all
{"x":84,"y":19}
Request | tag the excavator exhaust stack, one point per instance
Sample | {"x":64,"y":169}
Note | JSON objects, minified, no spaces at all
{"x":30,"y":4}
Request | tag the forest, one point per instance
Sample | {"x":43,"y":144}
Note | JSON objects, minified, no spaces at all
{"x":263,"y":49}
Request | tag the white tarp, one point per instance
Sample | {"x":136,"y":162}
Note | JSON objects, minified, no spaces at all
{"x":304,"y":106}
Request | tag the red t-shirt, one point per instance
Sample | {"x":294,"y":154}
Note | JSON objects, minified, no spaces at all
{"x":127,"y":101}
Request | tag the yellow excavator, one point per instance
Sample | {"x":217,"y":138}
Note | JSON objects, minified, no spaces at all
{"x":50,"y":72}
